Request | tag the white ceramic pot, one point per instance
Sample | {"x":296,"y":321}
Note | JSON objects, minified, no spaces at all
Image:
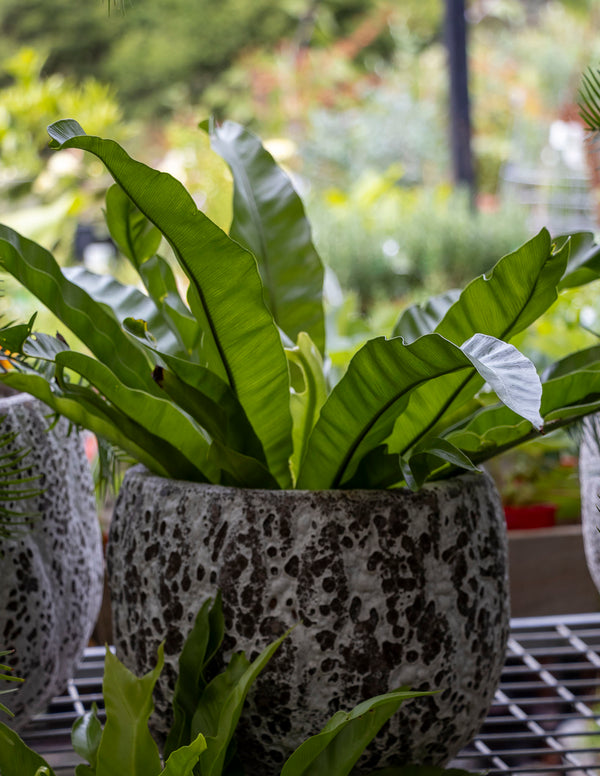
{"x":51,"y":573}
{"x":393,"y":588}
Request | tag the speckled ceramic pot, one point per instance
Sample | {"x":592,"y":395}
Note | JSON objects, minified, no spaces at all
{"x":589,"y":480}
{"x":392,"y":587}
{"x":52,"y":572}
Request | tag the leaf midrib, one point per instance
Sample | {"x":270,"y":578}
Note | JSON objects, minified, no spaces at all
{"x":441,"y":412}
{"x":368,"y":427}
{"x":248,"y":192}
{"x":89,"y":143}
{"x":191,"y":275}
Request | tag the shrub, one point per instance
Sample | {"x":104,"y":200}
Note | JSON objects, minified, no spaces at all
{"x":382,"y":239}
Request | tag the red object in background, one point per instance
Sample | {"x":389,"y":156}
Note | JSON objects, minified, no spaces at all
{"x":90,"y":445}
{"x":530,"y":516}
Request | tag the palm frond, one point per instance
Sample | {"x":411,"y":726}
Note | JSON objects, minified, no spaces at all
{"x":109,"y":469}
{"x":589,"y":99}
{"x":16,"y":484}
{"x":111,"y":462}
{"x":7,"y":676}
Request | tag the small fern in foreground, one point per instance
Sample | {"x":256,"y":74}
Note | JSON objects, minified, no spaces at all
{"x":6,"y":676}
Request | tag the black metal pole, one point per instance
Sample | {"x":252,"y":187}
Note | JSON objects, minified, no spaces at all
{"x":460,"y":119}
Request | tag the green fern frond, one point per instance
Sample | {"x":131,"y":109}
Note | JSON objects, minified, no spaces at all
{"x":14,"y":486}
{"x":6,"y":675}
{"x":109,"y":468}
{"x":589,"y":99}
{"x":110,"y":464}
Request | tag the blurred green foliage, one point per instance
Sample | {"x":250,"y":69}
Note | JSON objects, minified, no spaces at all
{"x":540,"y":472}
{"x":29,"y":102}
{"x":41,"y":193}
{"x":383,"y":239}
{"x":371,"y":140}
{"x":357,"y":86}
{"x":565,"y":328}
{"x":325,"y":65}
{"x":161,"y":54}
{"x":521,"y":80}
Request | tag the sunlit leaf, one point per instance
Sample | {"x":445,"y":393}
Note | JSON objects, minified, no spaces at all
{"x":495,"y":429}
{"x":394,"y":392}
{"x":269,"y":220}
{"x":126,"y":746}
{"x":199,"y":649}
{"x":241,"y":342}
{"x":16,"y":758}
{"x":183,"y":761}
{"x":221,"y":705}
{"x":306,"y":402}
{"x":511,"y":375}
{"x":86,"y":734}
{"x":339,"y":745}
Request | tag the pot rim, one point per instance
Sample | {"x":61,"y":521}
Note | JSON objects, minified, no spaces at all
{"x":19,"y":398}
{"x":475,"y":478}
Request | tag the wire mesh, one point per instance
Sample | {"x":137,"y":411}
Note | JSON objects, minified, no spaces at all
{"x":49,"y":733}
{"x":545,"y":719}
{"x":546,"y":715}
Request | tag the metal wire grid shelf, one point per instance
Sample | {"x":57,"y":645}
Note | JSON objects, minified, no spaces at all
{"x":546,"y":714}
{"x":545,"y":719}
{"x":49,"y":733}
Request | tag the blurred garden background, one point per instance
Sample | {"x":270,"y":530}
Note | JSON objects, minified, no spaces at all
{"x":352,"y":98}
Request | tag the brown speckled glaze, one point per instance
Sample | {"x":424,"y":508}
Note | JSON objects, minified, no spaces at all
{"x":393,"y":588}
{"x":52,"y":573}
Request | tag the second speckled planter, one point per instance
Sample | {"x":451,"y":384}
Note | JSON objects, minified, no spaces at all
{"x":52,"y":569}
{"x":589,"y":480}
{"x":393,"y":588}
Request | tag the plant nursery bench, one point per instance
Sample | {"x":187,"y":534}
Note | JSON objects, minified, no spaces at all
{"x":545,"y":719}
